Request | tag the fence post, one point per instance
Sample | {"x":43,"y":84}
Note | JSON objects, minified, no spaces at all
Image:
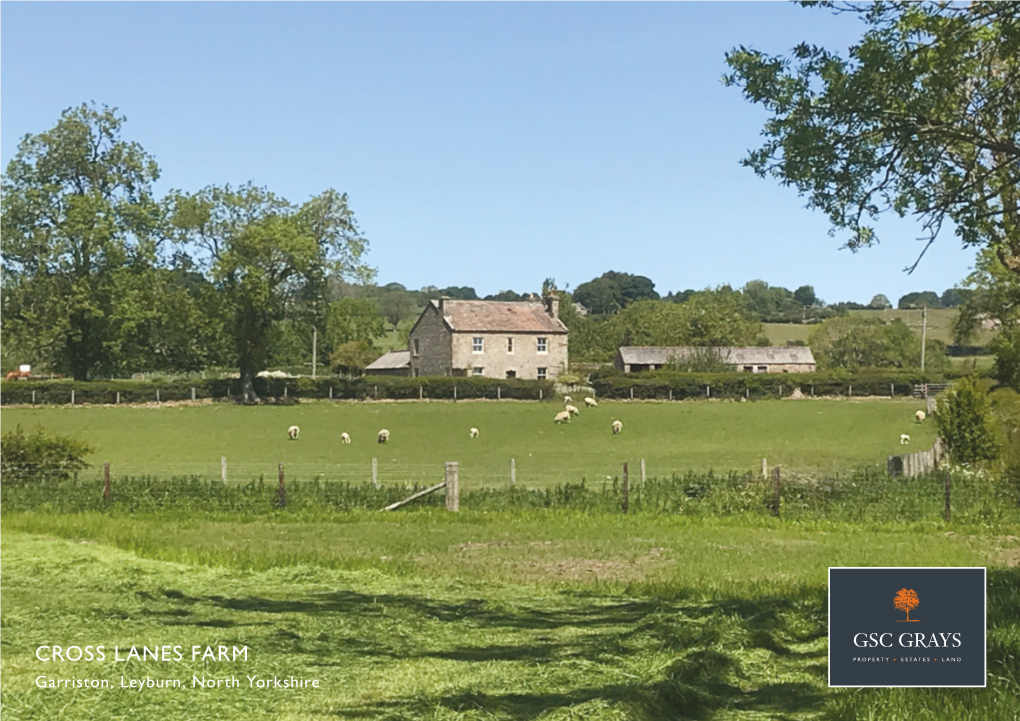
{"x":452,"y":486}
{"x":539,"y":394}
{"x":949,"y":484}
{"x":455,"y":394}
{"x":812,"y":390}
{"x":851,"y":390}
{"x":375,"y":392}
{"x":513,"y":472}
{"x":223,"y":468}
{"x":192,"y":392}
{"x":642,"y":471}
{"x":375,"y":472}
{"x":421,"y":393}
{"x":281,"y":492}
{"x":331,"y":392}
{"x":892,"y":390}
{"x":284,"y":390}
{"x":632,"y":392}
{"x":764,"y":468}
{"x":118,"y":398}
{"x":671,"y":393}
{"x":106,"y":482}
{"x":775,"y":491}
{"x":33,"y":398}
{"x":708,"y":391}
{"x":72,"y":396}
{"x":626,"y":489}
{"x":157,"y":395}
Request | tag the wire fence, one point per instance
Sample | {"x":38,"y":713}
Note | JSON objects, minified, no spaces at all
{"x":863,"y":495}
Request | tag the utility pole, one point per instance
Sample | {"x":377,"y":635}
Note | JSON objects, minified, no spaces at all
{"x":924,"y":330}
{"x":315,"y":338}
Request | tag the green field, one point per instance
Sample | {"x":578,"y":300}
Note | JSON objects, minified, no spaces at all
{"x":940,"y":326}
{"x":505,"y":617}
{"x":808,"y":435}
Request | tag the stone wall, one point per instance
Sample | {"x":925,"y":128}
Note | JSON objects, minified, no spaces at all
{"x":495,"y":359}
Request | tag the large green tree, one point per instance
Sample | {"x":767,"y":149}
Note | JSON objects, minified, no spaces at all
{"x":921,"y":116}
{"x":78,"y":229}
{"x":993,"y":298}
{"x":262,"y":252}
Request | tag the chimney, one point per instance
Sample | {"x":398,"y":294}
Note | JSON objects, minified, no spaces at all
{"x":552,"y":305}
{"x":442,"y":300}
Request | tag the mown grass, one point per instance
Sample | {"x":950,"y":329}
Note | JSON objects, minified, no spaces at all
{"x":809,"y":435}
{"x":505,"y":616}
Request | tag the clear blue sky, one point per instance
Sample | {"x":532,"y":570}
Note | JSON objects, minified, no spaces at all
{"x":490,"y":145}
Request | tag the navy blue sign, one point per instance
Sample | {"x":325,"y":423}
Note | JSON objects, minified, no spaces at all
{"x":898,"y":627}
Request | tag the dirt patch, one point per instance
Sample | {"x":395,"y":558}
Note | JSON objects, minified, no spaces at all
{"x":591,"y":569}
{"x":1009,"y":556}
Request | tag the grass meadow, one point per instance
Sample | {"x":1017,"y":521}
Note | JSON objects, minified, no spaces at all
{"x":803,"y":436}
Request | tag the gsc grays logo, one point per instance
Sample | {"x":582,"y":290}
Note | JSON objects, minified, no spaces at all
{"x":898,"y":627}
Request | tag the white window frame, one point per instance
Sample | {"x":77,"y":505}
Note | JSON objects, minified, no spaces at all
{"x":510,"y":346}
{"x":477,"y":371}
{"x":477,"y":344}
{"x":543,"y":373}
{"x":543,"y":345}
{"x":415,"y":348}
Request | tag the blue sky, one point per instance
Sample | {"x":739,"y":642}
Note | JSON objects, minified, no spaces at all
{"x":482,"y":144}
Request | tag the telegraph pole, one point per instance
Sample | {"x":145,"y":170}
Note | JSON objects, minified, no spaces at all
{"x":924,"y":329}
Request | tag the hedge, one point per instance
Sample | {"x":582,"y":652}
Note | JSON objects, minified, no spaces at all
{"x":753,"y":386}
{"x":365,"y":388}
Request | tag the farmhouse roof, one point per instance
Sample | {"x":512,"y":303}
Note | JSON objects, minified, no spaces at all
{"x":393,"y":360}
{"x":661,"y":355}
{"x":498,"y":316}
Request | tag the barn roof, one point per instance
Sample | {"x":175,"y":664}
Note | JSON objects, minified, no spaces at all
{"x":393,"y":360}
{"x":498,"y":316}
{"x":661,"y":355}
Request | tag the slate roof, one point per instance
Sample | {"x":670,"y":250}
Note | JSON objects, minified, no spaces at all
{"x":393,"y":360}
{"x":660,"y":355}
{"x":465,"y":316}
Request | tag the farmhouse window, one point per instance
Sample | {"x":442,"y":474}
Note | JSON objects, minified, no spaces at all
{"x":415,"y":348}
{"x":541,"y":374}
{"x":509,"y":345}
{"x":748,"y":369}
{"x":543,"y":345}
{"x":477,"y":371}
{"x":477,"y":346}
{"x":511,"y":374}
{"x":763,"y":369}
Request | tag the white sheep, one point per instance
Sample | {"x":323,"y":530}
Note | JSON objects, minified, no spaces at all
{"x":572,"y":410}
{"x":345,"y":438}
{"x":384,"y":435}
{"x":568,"y":399}
{"x":904,"y":439}
{"x":920,"y":416}
{"x":590,"y":402}
{"x":562,"y":417}
{"x":473,"y":433}
{"x":617,"y":427}
{"x":293,"y":432}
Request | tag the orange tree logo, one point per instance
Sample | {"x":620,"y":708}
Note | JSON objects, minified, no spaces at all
{"x":906,"y":601}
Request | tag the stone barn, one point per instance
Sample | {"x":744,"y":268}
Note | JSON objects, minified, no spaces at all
{"x":753,"y":359}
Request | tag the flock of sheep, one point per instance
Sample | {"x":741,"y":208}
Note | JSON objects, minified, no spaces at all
{"x":562,"y":417}
{"x":918,"y":418}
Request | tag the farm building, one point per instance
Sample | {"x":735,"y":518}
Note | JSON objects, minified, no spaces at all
{"x":393,"y":363}
{"x":783,"y":359}
{"x":492,"y":339}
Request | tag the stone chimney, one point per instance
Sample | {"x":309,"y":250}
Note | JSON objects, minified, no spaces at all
{"x":552,"y":305}
{"x":442,"y":302}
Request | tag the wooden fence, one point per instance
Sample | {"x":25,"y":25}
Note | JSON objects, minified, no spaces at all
{"x":916,"y":464}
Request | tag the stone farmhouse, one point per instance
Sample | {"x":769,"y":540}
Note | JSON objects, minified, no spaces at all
{"x":782,"y":359}
{"x":491,"y":339}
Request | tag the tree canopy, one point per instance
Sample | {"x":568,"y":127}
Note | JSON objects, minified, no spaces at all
{"x":921,"y":116}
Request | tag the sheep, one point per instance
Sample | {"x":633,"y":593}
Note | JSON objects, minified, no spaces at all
{"x":473,"y":433}
{"x":562,"y":417}
{"x":384,"y":435}
{"x":904,"y":439}
{"x":293,"y":432}
{"x":617,"y":427}
{"x":345,"y":438}
{"x":572,"y":410}
{"x":568,"y":399}
{"x":590,"y":402}
{"x":920,"y":416}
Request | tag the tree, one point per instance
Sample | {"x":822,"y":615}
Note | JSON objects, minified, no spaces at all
{"x":613,"y":291}
{"x":852,"y":342}
{"x":262,"y":251}
{"x":353,"y":319}
{"x":906,"y":600}
{"x":396,"y":305}
{"x":965,"y":423}
{"x":922,"y":116}
{"x":805,"y":295}
{"x":77,"y":217}
{"x":993,"y":298}
{"x":41,"y":455}
{"x":880,"y":302}
{"x":924,"y":299}
{"x":954,"y":297}
{"x":353,"y":357}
